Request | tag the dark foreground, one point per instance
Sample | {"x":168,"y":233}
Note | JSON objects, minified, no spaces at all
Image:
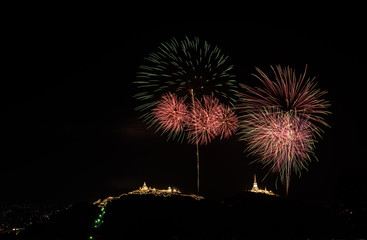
{"x":247,"y":216}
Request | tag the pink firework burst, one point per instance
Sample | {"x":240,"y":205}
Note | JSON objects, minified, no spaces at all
{"x":171,"y":113}
{"x":282,"y":140}
{"x":287,"y":92}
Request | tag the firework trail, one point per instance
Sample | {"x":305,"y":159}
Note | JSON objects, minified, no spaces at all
{"x":207,"y":120}
{"x":191,"y":69}
{"x":281,"y":120}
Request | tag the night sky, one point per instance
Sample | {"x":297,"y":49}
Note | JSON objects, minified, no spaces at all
{"x":69,"y":130}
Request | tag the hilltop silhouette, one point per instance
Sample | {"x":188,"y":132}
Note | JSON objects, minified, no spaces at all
{"x":245,"y":216}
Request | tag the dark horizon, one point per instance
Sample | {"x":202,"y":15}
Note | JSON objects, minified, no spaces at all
{"x":71,"y":132}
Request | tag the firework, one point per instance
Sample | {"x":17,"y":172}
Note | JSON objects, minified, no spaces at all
{"x":210,"y":119}
{"x":228,"y":121}
{"x":281,"y":120}
{"x":204,"y":122}
{"x":171,"y":113}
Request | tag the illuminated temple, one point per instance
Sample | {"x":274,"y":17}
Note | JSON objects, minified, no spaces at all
{"x":148,"y":190}
{"x":145,"y":190}
{"x":256,"y":189}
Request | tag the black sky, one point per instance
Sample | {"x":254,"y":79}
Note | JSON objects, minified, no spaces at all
{"x":69,"y":131}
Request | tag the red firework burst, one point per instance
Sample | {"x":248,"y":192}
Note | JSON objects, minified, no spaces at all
{"x":171,"y":112}
{"x":203,"y":125}
{"x":209,"y":120}
{"x":228,"y":122}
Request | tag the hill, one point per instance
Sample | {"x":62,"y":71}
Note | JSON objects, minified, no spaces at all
{"x":179,"y":216}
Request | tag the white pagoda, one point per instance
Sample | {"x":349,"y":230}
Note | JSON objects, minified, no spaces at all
{"x":256,"y":189}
